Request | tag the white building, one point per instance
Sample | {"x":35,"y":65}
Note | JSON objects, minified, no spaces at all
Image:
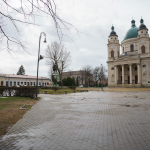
{"x":24,"y":80}
{"x":132,"y":66}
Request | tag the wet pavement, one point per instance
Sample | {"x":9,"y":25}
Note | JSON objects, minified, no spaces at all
{"x":84,"y":121}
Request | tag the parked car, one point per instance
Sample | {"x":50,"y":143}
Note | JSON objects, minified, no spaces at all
{"x":81,"y":86}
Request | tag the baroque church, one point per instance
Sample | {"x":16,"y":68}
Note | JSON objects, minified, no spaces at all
{"x":132,"y":66}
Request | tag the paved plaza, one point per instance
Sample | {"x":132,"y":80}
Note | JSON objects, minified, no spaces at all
{"x":94,"y":120}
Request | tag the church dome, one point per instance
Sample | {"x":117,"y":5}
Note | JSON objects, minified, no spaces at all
{"x":132,"y":32}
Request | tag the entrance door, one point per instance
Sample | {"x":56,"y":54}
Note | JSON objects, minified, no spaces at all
{"x":136,"y":79}
{"x":128,"y":79}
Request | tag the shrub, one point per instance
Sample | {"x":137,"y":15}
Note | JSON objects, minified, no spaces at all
{"x":27,"y":91}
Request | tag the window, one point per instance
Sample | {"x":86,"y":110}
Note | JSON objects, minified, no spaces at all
{"x":112,"y":68}
{"x":111,"y":38}
{"x":6,"y":83}
{"x":128,"y":69}
{"x":123,"y":49}
{"x":141,"y":31}
{"x":10,"y":83}
{"x":135,"y":68}
{"x":132,"y":47}
{"x":112,"y":53}
{"x":118,"y":53}
{"x":143,"y":49}
{"x":18,"y":83}
{"x":1,"y":83}
{"x":144,"y":66}
{"x":14,"y":83}
{"x":120,"y":69}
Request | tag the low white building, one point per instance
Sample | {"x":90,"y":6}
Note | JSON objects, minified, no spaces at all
{"x":24,"y":80}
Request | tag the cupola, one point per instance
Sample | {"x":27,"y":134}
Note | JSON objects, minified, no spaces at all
{"x":113,"y":33}
{"x":142,"y":26}
{"x":132,"y":32}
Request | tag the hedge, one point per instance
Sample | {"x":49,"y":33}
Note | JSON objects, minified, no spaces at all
{"x":25,"y":91}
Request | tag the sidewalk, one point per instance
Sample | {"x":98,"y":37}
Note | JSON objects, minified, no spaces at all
{"x":93,"y":120}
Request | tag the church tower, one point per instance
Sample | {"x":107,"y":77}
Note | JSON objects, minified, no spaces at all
{"x":113,"y":45}
{"x":143,"y":39}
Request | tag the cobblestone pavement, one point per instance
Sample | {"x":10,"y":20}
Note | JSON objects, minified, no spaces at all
{"x":84,"y":121}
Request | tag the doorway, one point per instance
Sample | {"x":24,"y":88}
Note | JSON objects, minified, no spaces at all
{"x":121,"y":79}
{"x":136,"y":79}
{"x":128,"y":79}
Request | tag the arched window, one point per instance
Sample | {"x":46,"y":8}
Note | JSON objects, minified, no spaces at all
{"x":123,"y":49}
{"x":143,"y":49}
{"x":112,"y":53}
{"x":132,"y":47}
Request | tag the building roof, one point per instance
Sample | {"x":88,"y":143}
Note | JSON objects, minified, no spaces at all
{"x":132,"y":32}
{"x":23,"y":76}
{"x":113,"y":33}
{"x":142,"y":26}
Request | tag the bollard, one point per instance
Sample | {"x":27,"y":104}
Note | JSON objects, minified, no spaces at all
{"x":45,"y":92}
{"x":74,"y":91}
{"x":66,"y":92}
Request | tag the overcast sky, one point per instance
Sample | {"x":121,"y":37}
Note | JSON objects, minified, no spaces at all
{"x":92,"y":18}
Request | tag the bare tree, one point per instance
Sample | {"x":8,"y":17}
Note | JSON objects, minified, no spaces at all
{"x":96,"y":72}
{"x":24,"y":12}
{"x":102,"y":74}
{"x":57,"y":54}
{"x":87,"y":73}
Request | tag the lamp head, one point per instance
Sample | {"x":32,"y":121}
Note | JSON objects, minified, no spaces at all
{"x":45,"y":40}
{"x":41,"y":57}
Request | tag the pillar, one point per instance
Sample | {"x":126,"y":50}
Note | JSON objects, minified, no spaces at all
{"x":139,"y":73}
{"x":122,"y":74}
{"x":116,"y":70}
{"x":130,"y":73}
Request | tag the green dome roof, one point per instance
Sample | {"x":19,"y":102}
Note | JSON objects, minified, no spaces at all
{"x":132,"y":32}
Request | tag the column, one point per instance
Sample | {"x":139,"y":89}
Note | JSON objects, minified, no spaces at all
{"x":130,"y":73}
{"x":122,"y":74}
{"x":116,"y":74}
{"x":139,"y":73}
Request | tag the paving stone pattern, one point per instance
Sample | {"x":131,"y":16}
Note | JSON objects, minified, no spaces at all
{"x":84,"y":121}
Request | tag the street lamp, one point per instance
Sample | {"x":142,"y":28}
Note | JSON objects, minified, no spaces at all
{"x":39,"y":58}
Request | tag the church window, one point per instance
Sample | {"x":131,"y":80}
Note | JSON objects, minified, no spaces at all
{"x":144,"y":66}
{"x":132,"y":47}
{"x":112,"y":68}
{"x":135,"y":68}
{"x":143,"y":49}
{"x":112,"y":53}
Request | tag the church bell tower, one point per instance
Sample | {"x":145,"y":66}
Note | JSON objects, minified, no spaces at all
{"x":113,"y":45}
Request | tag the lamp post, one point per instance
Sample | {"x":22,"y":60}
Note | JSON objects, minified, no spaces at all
{"x":39,"y":58}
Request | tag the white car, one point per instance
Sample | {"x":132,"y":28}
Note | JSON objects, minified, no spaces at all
{"x":81,"y":86}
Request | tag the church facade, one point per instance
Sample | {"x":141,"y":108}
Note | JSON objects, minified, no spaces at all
{"x":132,"y":66}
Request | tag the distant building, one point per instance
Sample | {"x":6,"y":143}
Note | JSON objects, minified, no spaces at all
{"x":80,"y":76}
{"x":24,"y":80}
{"x":132,"y":66}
